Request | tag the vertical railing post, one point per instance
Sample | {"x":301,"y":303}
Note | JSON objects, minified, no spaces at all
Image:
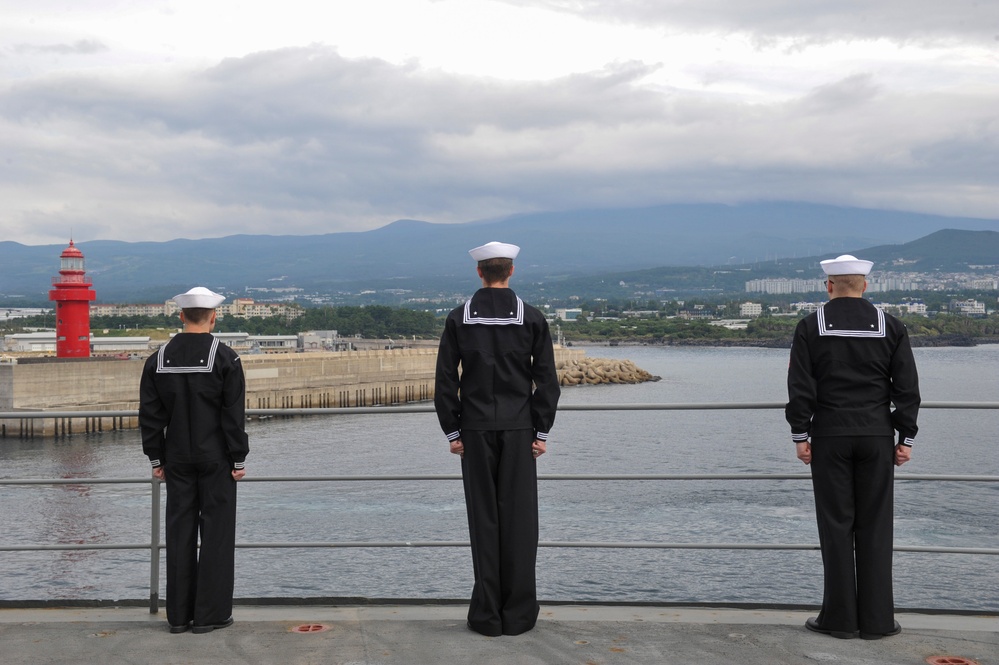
{"x":154,"y":551}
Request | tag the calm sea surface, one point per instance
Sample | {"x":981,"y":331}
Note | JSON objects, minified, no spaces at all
{"x":928,"y":514}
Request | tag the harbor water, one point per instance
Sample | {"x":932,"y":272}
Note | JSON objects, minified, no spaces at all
{"x":958,"y":514}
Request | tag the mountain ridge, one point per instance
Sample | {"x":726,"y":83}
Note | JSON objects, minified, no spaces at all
{"x":562,"y":243}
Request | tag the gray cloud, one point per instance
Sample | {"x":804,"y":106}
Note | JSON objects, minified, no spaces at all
{"x":80,"y":47}
{"x":898,"y":20}
{"x":305,"y":141}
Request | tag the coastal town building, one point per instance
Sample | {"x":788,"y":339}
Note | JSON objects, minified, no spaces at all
{"x":986,"y":284}
{"x":8,"y":313}
{"x":44,"y":342}
{"x":245,"y":308}
{"x":239,"y":307}
{"x":970,"y":307}
{"x":731,"y":324}
{"x":782,"y":285}
{"x":568,"y":314}
{"x":30,"y":342}
{"x":130,"y":309}
{"x":751,"y":309}
{"x":881,"y":283}
{"x":697,"y":312}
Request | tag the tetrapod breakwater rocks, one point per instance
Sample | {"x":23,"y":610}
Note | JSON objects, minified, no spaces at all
{"x":592,"y":371}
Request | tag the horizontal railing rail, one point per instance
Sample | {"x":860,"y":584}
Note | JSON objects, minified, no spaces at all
{"x":427,"y":408}
{"x":155,"y":546}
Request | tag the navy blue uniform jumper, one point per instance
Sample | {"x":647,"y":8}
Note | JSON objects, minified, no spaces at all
{"x":191,"y":414}
{"x":850,"y":362}
{"x":503,"y":398}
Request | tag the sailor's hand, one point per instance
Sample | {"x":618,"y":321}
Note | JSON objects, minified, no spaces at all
{"x":238,"y":474}
{"x":804,"y":451}
{"x":458,"y":448}
{"x":538,"y":448}
{"x":159,"y":473}
{"x":902,"y":454}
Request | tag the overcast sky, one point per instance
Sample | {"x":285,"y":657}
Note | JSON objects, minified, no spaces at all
{"x":159,"y":119}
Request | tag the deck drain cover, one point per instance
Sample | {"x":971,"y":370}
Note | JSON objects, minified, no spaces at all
{"x":310,"y":628}
{"x":950,"y":660}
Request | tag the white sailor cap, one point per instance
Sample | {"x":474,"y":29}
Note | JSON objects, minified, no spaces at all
{"x":495,"y":250}
{"x":199,"y":297}
{"x":846,"y":265}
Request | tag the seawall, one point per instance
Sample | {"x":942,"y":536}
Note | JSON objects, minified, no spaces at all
{"x":293,"y":380}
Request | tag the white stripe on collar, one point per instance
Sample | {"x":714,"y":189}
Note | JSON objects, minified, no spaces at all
{"x":825,"y":329}
{"x":163,"y":366}
{"x":516,"y":318}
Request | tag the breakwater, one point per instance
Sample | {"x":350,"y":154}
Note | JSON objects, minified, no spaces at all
{"x":281,"y":380}
{"x":278,"y":380}
{"x":583,"y":370}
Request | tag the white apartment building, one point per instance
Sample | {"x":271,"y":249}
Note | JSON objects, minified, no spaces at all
{"x":568,"y":314}
{"x":239,"y":307}
{"x":127,"y":310}
{"x":968,"y":307}
{"x":914,"y":308}
{"x":808,"y":307}
{"x":784,"y":285}
{"x":891,"y":283}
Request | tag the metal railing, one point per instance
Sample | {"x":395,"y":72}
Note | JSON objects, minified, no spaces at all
{"x":155,"y":545}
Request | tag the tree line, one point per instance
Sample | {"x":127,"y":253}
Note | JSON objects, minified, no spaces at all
{"x":382,"y":321}
{"x":771,"y":331}
{"x":376,"y":321}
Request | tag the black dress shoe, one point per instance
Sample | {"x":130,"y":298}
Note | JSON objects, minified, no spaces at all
{"x":813,"y":625}
{"x":183,"y":628}
{"x":211,"y":626}
{"x":896,"y":629}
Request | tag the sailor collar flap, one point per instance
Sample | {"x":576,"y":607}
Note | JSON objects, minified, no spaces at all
{"x":849,"y":324}
{"x":494,"y":312}
{"x":193,"y":361}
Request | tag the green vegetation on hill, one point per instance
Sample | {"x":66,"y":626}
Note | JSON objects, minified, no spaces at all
{"x":766,"y":331}
{"x":372,"y":322}
{"x":378,"y":322}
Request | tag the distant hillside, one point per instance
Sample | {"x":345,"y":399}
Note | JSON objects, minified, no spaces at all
{"x":556,"y":246}
{"x":947,"y":250}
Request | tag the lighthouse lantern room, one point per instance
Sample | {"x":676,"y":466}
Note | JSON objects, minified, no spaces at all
{"x":72,"y":295}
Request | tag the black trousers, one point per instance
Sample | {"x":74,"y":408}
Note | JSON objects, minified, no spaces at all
{"x":201,"y":498}
{"x":853,"y":480}
{"x":501,"y":496}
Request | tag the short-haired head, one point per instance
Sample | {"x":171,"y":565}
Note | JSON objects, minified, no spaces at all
{"x":496,"y":270}
{"x":848,"y":283}
{"x":197,"y":315}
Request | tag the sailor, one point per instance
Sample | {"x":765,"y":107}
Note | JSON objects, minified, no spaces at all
{"x":191,"y":415}
{"x":496,"y":415}
{"x":849,"y":363}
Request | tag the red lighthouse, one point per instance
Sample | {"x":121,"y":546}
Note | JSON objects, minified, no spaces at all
{"x":72,"y":295}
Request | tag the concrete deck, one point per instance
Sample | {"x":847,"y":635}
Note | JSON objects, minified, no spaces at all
{"x":418,"y":635}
